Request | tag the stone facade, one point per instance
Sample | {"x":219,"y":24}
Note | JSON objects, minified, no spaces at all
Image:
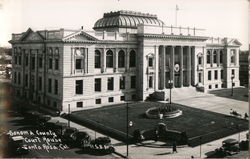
{"x":79,"y":68}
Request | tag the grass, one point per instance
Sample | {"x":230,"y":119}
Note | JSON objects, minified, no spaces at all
{"x":201,"y":126}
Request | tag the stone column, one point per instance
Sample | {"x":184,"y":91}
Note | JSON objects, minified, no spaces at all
{"x":188,"y":66}
{"x":116,"y":60}
{"x":172,"y":64}
{"x":103,"y":60}
{"x":181,"y":66}
{"x":162,"y":66}
{"x":211,"y":57}
{"x":127,"y":60}
{"x":218,"y":57}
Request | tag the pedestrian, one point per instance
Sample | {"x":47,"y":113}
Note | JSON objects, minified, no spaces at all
{"x":174,"y":147}
{"x":156,"y":135}
{"x":246,"y":116}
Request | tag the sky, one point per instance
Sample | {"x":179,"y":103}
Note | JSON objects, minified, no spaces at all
{"x":220,"y":18}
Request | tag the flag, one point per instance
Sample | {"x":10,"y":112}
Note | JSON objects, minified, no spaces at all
{"x":177,"y":7}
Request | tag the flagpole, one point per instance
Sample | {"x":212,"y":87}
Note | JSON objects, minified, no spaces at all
{"x":175,"y":16}
{"x":176,"y":9}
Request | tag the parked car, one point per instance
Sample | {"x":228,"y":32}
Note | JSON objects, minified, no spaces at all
{"x":16,"y":145}
{"x":81,"y":139}
{"x":42,"y":120}
{"x":66,"y":134}
{"x":229,"y":147}
{"x":102,"y":145}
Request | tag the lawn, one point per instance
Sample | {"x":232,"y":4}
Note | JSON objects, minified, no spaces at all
{"x":200,"y":126}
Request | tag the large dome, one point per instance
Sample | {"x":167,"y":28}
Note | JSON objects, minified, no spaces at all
{"x":126,"y":19}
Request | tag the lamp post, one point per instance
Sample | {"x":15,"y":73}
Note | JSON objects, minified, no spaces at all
{"x":129,"y":124}
{"x":232,"y":78}
{"x":170,"y":82}
{"x":68,"y":114}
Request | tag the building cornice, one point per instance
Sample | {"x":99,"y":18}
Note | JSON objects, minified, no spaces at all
{"x":165,"y":36}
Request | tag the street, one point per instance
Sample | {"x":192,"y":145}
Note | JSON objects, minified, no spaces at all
{"x":41,"y":142}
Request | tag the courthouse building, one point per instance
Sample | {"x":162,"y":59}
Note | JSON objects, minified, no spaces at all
{"x":127,"y":56}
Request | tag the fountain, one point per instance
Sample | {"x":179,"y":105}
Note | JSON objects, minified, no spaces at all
{"x":167,"y":111}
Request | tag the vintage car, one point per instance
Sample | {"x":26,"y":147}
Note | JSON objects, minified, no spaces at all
{"x":229,"y":147}
{"x":102,"y":145}
{"x":66,"y":134}
{"x":16,"y":145}
{"x":81,"y":139}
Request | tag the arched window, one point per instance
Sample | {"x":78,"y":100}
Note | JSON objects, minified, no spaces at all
{"x":121,"y":59}
{"x":109,"y":59}
{"x":97,"y":59}
{"x":200,"y":58}
{"x":208,"y":57}
{"x":132,"y":59}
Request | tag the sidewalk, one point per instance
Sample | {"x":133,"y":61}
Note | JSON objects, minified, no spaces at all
{"x":157,"y":150}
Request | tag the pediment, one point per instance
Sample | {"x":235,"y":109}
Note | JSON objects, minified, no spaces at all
{"x":30,"y":35}
{"x":79,"y":36}
{"x":234,"y":42}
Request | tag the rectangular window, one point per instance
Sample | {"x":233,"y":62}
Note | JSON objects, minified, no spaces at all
{"x":15,"y":59}
{"x":215,"y":74}
{"x":122,"y":98}
{"x":215,"y":57}
{"x":50,"y":63}
{"x":111,"y":83}
{"x":54,"y":104}
{"x":232,"y":71}
{"x":20,"y":60}
{"x":150,"y":62}
{"x":216,"y":86}
{"x":150,"y":82}
{"x":56,"y":64}
{"x":40,"y":62}
{"x":98,"y":84}
{"x":98,"y":101}
{"x":49,"y":85}
{"x":111,"y":99}
{"x":26,"y":60}
{"x":48,"y":102}
{"x":15,"y":77}
{"x":210,"y":87}
{"x":79,"y":104}
{"x":133,"y":97}
{"x":79,"y":87}
{"x":122,"y":82}
{"x":39,"y":83}
{"x":233,"y":52}
{"x":133,"y":81}
{"x":199,"y":60}
{"x":199,"y":77}
{"x":26,"y":80}
{"x":56,"y":87}
{"x":19,"y":78}
{"x":221,"y":57}
{"x":79,"y":63}
{"x":221,"y":74}
{"x":209,"y":75}
{"x":33,"y":63}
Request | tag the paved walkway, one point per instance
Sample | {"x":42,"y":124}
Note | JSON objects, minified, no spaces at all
{"x":157,"y":150}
